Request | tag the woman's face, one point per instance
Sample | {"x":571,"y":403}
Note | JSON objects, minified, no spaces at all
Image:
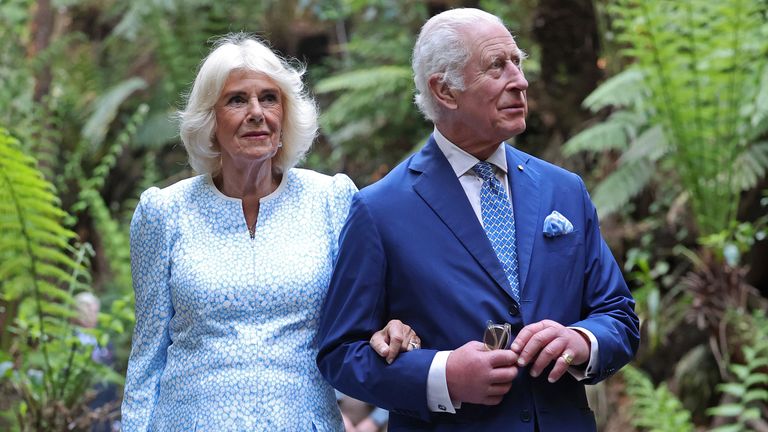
{"x":249,"y":118}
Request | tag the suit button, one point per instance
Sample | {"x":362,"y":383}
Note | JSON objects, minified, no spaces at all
{"x":514,"y":310}
{"x":525,"y":415}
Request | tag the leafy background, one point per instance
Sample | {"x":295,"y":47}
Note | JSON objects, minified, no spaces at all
{"x":661,"y":105}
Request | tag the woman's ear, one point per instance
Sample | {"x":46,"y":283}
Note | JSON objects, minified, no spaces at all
{"x":443,"y":94}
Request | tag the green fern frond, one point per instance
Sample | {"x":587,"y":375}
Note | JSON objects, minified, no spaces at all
{"x":616,"y":190}
{"x":33,"y":242}
{"x":751,"y":166}
{"x":655,"y":409}
{"x":32,"y":221}
{"x":651,"y":144}
{"x":613,"y":134}
{"x":387,"y":76}
{"x":747,"y":384}
{"x":625,"y":89}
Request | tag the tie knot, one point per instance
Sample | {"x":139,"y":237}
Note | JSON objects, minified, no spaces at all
{"x":484,"y":170}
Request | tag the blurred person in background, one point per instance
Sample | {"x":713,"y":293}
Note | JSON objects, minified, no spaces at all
{"x":104,"y":403}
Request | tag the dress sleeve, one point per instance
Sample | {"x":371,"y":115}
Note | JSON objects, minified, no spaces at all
{"x":342,"y":191}
{"x":150,"y":270}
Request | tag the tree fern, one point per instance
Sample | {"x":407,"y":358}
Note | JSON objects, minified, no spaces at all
{"x":654,"y":409}
{"x":704,"y":62}
{"x":701,"y":75}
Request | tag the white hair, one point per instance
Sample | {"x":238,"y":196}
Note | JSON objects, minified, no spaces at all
{"x":441,"y":48}
{"x":198,"y":119}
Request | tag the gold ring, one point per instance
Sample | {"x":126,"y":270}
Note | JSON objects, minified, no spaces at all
{"x":567,"y":358}
{"x":413,"y":344}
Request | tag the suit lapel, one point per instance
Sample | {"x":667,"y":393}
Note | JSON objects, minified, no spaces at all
{"x":525,"y":203}
{"x":438,"y":186}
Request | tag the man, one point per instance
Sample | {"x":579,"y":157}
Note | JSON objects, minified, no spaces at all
{"x":467,"y":231}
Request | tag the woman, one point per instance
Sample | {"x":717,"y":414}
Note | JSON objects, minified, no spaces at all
{"x":231,"y":267}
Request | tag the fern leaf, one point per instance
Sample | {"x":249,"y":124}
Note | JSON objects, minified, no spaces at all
{"x":651,"y":144}
{"x":621,"y":186}
{"x":600,"y":137}
{"x":625,"y":89}
{"x":364,"y":79}
{"x":34,"y":245}
{"x":751,"y":166}
{"x":656,"y":409}
{"x":729,"y":428}
{"x":726,"y":410}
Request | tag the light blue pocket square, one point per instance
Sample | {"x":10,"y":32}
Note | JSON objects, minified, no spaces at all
{"x":556,"y":225}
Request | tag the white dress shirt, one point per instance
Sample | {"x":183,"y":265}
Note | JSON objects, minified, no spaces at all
{"x":438,"y":398}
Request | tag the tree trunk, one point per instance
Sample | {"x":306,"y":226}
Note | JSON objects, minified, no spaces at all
{"x":567,"y":32}
{"x":41,"y":31}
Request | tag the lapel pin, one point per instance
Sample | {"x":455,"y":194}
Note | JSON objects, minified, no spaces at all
{"x":519,"y":167}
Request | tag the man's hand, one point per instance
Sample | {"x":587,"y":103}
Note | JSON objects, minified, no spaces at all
{"x":394,"y":338}
{"x":546,"y":341}
{"x":476,"y":375}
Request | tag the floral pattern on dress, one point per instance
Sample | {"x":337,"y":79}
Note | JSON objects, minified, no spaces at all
{"x":225,"y":323}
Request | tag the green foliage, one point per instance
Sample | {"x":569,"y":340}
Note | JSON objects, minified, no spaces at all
{"x":49,"y":367}
{"x":699,"y":76}
{"x":732,"y":243}
{"x":628,"y":131}
{"x":369,"y":118}
{"x":654,"y":409}
{"x":747,"y":388}
{"x":661,"y":306}
{"x":703,"y":61}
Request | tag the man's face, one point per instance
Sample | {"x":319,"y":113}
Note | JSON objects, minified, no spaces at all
{"x":493,"y":106}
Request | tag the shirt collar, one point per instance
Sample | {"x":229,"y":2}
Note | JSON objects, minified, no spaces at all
{"x":461,"y":161}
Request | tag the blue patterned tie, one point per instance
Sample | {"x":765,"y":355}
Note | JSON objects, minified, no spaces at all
{"x":499,"y":222}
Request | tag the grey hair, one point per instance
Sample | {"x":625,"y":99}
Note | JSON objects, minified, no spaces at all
{"x":198,"y":120}
{"x":441,"y":48}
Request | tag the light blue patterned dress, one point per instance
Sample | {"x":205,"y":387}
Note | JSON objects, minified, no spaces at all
{"x":225,"y":324}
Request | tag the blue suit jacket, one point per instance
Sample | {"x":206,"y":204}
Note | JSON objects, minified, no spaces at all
{"x":413,"y":249}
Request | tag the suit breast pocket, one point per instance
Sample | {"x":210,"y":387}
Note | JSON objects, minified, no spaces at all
{"x":562,"y":245}
{"x":559,"y":258}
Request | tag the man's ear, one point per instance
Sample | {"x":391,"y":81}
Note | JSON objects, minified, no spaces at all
{"x":443,"y":94}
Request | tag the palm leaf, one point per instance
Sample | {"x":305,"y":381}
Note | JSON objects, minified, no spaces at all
{"x":105,"y":110}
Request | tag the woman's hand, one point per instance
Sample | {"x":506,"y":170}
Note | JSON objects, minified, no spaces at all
{"x":394,"y":338}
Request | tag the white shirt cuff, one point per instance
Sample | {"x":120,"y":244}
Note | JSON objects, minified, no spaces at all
{"x":438,"y":398}
{"x":577,"y":371}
